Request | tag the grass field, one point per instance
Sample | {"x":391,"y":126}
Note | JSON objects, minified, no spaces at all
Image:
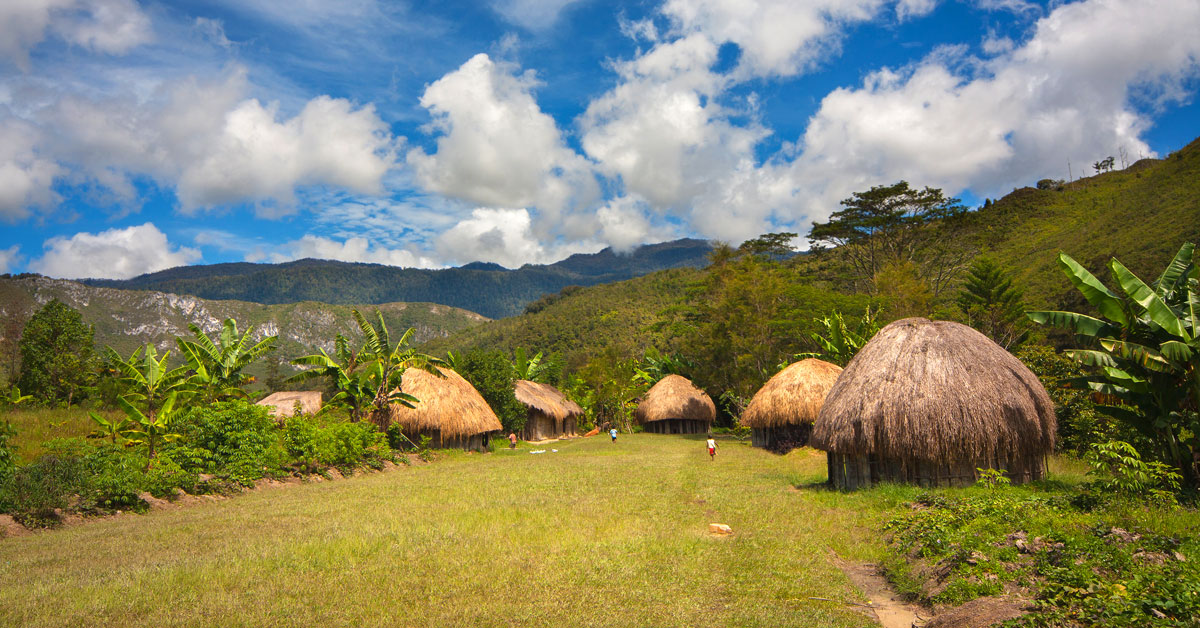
{"x":596,"y":534}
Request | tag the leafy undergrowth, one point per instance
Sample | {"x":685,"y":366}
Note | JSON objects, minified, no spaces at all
{"x":220,"y":448}
{"x":1083,"y":563}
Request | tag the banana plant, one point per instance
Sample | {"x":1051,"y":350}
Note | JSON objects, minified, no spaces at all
{"x":146,"y":377}
{"x":1144,"y":347}
{"x":840,"y":341}
{"x":353,"y":390}
{"x":14,"y":397}
{"x":218,"y":366}
{"x":386,"y":365}
{"x":151,"y":430}
{"x":112,"y":429}
{"x":527,"y":367}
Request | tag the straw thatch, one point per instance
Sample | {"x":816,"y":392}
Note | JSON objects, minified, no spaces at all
{"x":283,"y":403}
{"x":929,"y":401}
{"x":449,"y":409}
{"x":551,"y":414}
{"x":782,"y":412}
{"x":545,"y":399}
{"x":675,"y":406}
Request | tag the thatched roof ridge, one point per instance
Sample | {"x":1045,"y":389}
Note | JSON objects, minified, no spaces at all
{"x":793,"y":396}
{"x":938,"y":391}
{"x":449,"y":404}
{"x":674,"y":397}
{"x":546,"y":399}
{"x":283,"y":403}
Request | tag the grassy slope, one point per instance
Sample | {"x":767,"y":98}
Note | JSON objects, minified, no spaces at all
{"x":1140,"y":215}
{"x":618,"y":313}
{"x":596,"y":534}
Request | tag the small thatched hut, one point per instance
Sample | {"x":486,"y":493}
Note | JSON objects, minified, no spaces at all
{"x":929,"y":401}
{"x":675,"y":406}
{"x":782,"y":412}
{"x":550,"y":414}
{"x":449,"y":410}
{"x":283,"y":403}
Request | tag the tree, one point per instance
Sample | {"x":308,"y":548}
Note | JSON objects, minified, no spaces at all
{"x":493,"y":376}
{"x":993,"y":305}
{"x":350,"y":386}
{"x":57,"y":354}
{"x":1145,"y":349}
{"x":146,"y":378}
{"x":219,"y":367}
{"x":895,"y":224}
{"x":903,"y":290}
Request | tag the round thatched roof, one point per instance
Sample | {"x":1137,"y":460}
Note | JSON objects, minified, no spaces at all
{"x":545,"y":399}
{"x":674,"y":397}
{"x":939,"y":391}
{"x":283,"y":403}
{"x":449,"y":404}
{"x":794,"y":396}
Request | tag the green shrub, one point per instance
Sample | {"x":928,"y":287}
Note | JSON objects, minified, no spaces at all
{"x":241,"y":441}
{"x":36,"y":490}
{"x":8,"y":454}
{"x":342,"y":444}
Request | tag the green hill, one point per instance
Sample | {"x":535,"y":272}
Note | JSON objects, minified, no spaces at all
{"x":1140,"y":215}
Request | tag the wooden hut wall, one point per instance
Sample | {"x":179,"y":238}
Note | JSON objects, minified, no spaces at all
{"x":539,"y":426}
{"x":467,"y":442}
{"x":862,"y":471}
{"x":781,"y":439}
{"x":677,"y":426}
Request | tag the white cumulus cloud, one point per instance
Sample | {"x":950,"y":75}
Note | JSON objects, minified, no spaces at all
{"x":26,"y":176}
{"x":505,"y":237}
{"x":106,"y":26}
{"x":350,"y":250}
{"x":10,"y":257}
{"x":112,"y":254}
{"x":497,"y":147}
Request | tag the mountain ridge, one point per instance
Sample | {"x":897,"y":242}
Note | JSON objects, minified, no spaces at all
{"x":483,"y":287}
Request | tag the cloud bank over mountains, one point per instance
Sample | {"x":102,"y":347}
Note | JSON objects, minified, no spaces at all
{"x":672,"y":136}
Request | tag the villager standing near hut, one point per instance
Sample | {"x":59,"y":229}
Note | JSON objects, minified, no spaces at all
{"x":928,"y":402}
{"x":512,"y":440}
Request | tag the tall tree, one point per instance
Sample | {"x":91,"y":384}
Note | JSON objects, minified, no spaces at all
{"x":891,"y":224}
{"x":57,"y":354}
{"x":993,"y":305}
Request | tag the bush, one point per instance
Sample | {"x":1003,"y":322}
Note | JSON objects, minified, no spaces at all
{"x":8,"y":455}
{"x":36,"y":490}
{"x":239,"y":439}
{"x":343,"y":444}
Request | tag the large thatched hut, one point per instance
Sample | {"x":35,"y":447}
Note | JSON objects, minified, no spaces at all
{"x":675,"y":406}
{"x":782,"y":412}
{"x":550,"y":413}
{"x":928,"y":402}
{"x":449,"y":410}
{"x":283,"y":403}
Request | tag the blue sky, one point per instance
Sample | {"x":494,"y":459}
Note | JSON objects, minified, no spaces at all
{"x":136,"y":136}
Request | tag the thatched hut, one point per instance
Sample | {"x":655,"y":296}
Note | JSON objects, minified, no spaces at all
{"x":782,"y":412}
{"x":449,"y":410}
{"x":675,"y":406}
{"x":927,"y":402}
{"x":550,"y":413}
{"x":283,"y":403}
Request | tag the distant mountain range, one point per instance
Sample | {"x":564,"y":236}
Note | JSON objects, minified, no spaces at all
{"x":489,"y":289}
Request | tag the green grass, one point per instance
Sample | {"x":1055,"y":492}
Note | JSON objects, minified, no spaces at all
{"x":595,"y":534}
{"x":36,"y":425}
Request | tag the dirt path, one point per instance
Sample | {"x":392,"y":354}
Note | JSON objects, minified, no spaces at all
{"x":885,"y":604}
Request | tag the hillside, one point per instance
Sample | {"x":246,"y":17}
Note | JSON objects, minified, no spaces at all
{"x":1140,"y":215}
{"x":489,"y":289}
{"x":126,"y":319}
{"x":580,"y":321}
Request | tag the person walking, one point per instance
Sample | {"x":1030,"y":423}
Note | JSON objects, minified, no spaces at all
{"x":512,"y":440}
{"x":613,"y":433}
{"x":712,"y":448}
